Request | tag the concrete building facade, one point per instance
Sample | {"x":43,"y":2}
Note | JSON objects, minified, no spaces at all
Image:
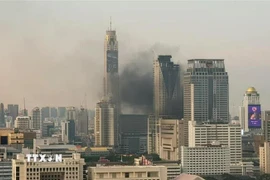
{"x":106,"y":123}
{"x":36,"y":118}
{"x":227,"y":134}
{"x":68,"y":169}
{"x":169,"y":139}
{"x":23,"y":122}
{"x":127,"y":172}
{"x":265,"y":158}
{"x":82,"y":125}
{"x":205,"y":160}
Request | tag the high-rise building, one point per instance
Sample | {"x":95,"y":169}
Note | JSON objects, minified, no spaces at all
{"x":13,"y":110}
{"x":71,"y":113}
{"x":2,"y":115}
{"x":206,"y":91}
{"x":250,"y":111}
{"x":111,"y":76}
{"x":82,"y":125}
{"x":106,"y":123}
{"x":45,"y":113}
{"x":152,"y":134}
{"x":266,"y":125}
{"x":36,"y":118}
{"x":23,"y":122}
{"x":167,"y":87}
{"x":68,"y":131}
{"x":133,"y":133}
{"x":226,"y":134}
{"x":265,"y":158}
{"x":53,"y":112}
{"x":47,"y":127}
{"x":61,"y":112}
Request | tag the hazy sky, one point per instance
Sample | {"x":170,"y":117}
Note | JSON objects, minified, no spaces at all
{"x":51,"y":53}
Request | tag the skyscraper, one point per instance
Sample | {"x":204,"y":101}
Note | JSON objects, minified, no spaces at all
{"x":250,"y":103}
{"x":111,"y":76}
{"x":106,"y":126}
{"x":166,"y":87}
{"x":68,"y":131}
{"x":82,"y":127}
{"x":206,"y":91}
{"x":45,"y":113}
{"x":13,"y":110}
{"x":36,"y":118}
{"x":53,"y":112}
{"x":2,"y":116}
{"x":61,"y":112}
{"x":71,"y":113}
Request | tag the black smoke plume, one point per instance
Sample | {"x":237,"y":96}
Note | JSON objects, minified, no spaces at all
{"x":136,"y":79}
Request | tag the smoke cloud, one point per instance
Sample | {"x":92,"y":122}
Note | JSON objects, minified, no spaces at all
{"x":136,"y":78}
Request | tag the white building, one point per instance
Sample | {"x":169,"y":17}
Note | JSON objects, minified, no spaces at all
{"x":173,"y":168}
{"x":71,"y":113}
{"x":169,"y":139}
{"x":68,"y":169}
{"x":205,"y":160}
{"x":227,"y":134}
{"x":44,"y":141}
{"x":106,"y":123}
{"x":23,"y":122}
{"x":251,"y":101}
{"x":127,"y":172}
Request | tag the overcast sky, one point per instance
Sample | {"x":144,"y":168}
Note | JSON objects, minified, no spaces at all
{"x":51,"y":53}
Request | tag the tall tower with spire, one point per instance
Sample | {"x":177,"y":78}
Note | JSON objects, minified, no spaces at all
{"x":111,"y":76}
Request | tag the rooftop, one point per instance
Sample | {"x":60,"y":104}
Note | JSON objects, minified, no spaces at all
{"x":251,"y":90}
{"x":56,"y":146}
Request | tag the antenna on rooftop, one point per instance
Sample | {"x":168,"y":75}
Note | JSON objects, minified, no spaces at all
{"x":110,"y":23}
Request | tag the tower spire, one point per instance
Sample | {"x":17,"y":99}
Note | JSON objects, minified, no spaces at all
{"x":110,"y":23}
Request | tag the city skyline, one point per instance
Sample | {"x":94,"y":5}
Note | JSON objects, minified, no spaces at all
{"x":68,"y":49}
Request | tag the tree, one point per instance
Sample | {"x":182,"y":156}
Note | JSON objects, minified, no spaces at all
{"x":264,"y":177}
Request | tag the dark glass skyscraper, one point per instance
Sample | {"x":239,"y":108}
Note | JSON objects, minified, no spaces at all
{"x":13,"y":111}
{"x":2,"y":115}
{"x":167,"y":92}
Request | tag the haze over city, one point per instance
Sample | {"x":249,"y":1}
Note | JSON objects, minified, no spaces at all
{"x":52,"y":53}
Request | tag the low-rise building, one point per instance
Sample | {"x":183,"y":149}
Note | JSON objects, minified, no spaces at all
{"x":68,"y":169}
{"x":127,"y":172}
{"x":173,"y":168}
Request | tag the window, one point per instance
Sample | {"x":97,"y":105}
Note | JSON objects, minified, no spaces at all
{"x":113,"y":175}
{"x":101,"y":175}
{"x":126,"y":175}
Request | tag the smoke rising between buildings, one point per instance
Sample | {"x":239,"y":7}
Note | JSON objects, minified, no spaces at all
{"x":136,"y":79}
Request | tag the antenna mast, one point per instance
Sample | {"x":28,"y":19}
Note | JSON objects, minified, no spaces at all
{"x":110,"y":23}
